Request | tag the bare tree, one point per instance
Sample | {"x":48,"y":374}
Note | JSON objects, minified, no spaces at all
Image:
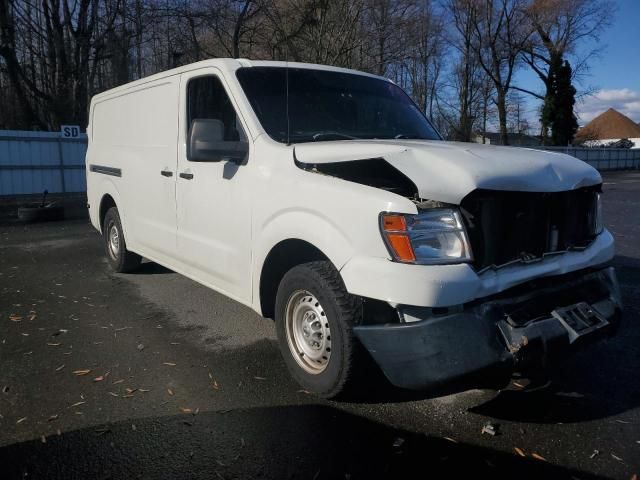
{"x":501,"y":32}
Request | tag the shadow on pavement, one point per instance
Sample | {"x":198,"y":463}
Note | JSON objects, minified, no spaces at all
{"x":311,"y":442}
{"x":150,"y":268}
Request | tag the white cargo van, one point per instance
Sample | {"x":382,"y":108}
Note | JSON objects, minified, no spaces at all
{"x":324,"y":199}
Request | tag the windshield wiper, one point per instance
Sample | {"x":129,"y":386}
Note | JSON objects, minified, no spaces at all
{"x":319,"y":135}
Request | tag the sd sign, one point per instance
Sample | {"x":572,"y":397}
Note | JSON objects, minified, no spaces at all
{"x":70,"y":131}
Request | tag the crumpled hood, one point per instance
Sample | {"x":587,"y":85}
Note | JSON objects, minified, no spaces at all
{"x":448,"y":171}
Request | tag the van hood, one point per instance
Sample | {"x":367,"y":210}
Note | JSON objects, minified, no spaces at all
{"x":448,"y":171}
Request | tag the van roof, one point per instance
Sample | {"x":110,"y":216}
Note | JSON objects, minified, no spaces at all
{"x":229,"y":65}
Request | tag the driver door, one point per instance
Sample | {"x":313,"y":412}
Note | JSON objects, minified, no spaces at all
{"x":212,"y":195}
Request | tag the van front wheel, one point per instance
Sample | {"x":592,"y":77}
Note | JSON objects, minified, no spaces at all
{"x":314,"y":319}
{"x":120,"y":259}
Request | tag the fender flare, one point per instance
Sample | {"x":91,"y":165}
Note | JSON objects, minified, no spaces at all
{"x":107,"y":187}
{"x":306,"y":225}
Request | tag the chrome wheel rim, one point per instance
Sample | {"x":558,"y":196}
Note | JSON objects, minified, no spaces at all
{"x":114,"y":241}
{"x":308,"y":333}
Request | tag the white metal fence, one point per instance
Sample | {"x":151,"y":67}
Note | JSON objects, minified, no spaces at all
{"x":603,"y":158}
{"x":31,"y":162}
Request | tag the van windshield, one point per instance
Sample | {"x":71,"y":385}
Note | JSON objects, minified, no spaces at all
{"x":328,"y":105}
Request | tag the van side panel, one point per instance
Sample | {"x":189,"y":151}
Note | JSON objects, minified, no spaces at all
{"x":133,"y":139}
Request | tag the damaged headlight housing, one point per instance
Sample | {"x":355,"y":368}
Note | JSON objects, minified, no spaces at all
{"x":434,"y":236}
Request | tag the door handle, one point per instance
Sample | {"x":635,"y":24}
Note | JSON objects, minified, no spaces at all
{"x":186,"y":176}
{"x":166,"y":173}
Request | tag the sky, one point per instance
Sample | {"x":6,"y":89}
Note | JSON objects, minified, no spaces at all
{"x":614,"y":75}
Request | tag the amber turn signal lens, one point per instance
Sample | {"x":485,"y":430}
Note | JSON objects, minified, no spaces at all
{"x":394,"y":223}
{"x":402,"y":247}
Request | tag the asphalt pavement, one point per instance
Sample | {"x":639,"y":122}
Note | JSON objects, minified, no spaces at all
{"x":150,"y":375}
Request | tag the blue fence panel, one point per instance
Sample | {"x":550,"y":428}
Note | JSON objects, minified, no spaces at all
{"x":31,"y":162}
{"x":602,"y":158}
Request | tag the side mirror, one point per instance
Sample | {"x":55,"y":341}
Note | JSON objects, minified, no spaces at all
{"x":207,"y":144}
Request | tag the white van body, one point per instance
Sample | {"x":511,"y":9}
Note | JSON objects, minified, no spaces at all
{"x":220,"y":222}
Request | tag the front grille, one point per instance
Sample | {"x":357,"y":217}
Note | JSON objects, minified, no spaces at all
{"x":504,"y":227}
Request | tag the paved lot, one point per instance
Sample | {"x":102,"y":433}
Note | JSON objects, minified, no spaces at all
{"x":184,"y":383}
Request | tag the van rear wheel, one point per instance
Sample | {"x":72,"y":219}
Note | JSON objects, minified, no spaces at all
{"x":314,"y":319}
{"x":120,"y":259}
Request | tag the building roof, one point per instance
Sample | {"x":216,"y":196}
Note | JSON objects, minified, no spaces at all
{"x":609,"y":125}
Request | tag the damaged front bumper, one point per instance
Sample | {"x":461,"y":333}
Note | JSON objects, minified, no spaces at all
{"x":481,"y":344}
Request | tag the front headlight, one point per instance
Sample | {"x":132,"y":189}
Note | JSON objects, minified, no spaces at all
{"x":434,"y":236}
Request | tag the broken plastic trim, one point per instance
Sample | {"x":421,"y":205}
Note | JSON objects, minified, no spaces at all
{"x":372,"y":172}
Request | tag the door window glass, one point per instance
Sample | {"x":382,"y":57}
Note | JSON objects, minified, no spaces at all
{"x":208,"y":101}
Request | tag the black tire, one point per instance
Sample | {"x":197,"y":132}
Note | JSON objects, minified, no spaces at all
{"x":120,"y":259}
{"x":341,"y":310}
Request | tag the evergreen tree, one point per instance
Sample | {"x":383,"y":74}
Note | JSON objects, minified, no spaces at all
{"x":559,"y":123}
{"x":565,"y":124}
{"x":548,"y":107}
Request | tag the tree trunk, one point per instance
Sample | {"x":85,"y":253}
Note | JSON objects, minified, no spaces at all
{"x":501,"y":103}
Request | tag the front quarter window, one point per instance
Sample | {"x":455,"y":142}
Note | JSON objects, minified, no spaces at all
{"x":330,"y":105}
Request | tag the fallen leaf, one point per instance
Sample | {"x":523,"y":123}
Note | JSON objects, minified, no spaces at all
{"x":450,"y":439}
{"x":15,"y":318}
{"x":169,"y":364}
{"x":53,"y":417}
{"x":53,"y":344}
{"x":99,"y":379}
{"x":594,"y":454}
{"x":130,"y":390}
{"x":215,"y":385}
{"x":113,"y":394}
{"x":617,"y":458}
{"x":118,"y":381}
{"x":519,"y":451}
{"x":21,"y":420}
{"x":60,"y":368}
{"x":538,"y":457}
{"x":169,"y":391}
{"x":144,"y":390}
{"x":129,"y":395}
{"x":185,"y":410}
{"x":260,"y":378}
{"x":77,"y":404}
{"x":32,"y":316}
{"x":81,"y":372}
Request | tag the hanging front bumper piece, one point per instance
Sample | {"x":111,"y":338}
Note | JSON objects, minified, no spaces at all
{"x":526,"y":329}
